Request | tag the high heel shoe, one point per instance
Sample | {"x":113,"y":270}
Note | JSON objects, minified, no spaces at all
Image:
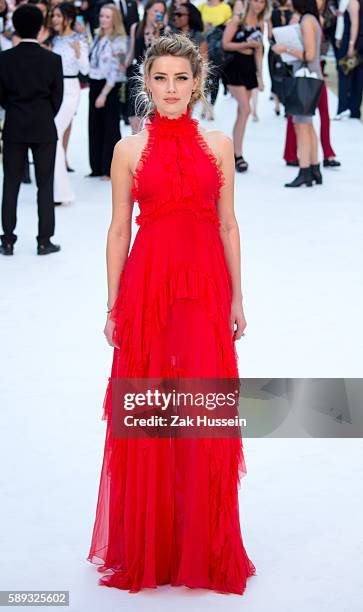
{"x":240,"y":163}
{"x":304,"y":177}
{"x":316,"y":174}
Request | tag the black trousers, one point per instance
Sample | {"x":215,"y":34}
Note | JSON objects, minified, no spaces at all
{"x":350,"y":91}
{"x":14,"y":158}
{"x":103,"y":127}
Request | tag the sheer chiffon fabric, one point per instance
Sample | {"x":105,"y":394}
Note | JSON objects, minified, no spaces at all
{"x":167,"y":509}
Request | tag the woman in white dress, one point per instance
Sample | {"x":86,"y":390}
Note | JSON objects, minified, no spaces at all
{"x":73,"y":49}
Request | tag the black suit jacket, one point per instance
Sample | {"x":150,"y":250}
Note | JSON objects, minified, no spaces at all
{"x":132,"y":15}
{"x":31,"y":92}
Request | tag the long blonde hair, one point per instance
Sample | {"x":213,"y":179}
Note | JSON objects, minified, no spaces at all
{"x":117,"y":22}
{"x":263,"y":15}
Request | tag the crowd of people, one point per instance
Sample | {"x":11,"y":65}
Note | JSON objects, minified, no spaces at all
{"x":101,"y":45}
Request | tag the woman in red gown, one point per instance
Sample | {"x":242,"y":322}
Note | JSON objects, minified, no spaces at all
{"x":167,"y":509}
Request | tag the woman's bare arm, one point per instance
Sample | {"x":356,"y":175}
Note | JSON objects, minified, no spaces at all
{"x":119,"y":233}
{"x":308,"y":28}
{"x":203,"y":49}
{"x":131,"y":52}
{"x":229,"y":231}
{"x":228,"y":222}
{"x":353,"y":9}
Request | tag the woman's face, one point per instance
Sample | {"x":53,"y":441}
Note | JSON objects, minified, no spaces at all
{"x":181,"y":16}
{"x":153,"y":10}
{"x":238,"y":7}
{"x":171,"y":83}
{"x":44,"y":9}
{"x":58,"y":21}
{"x":258,"y":6}
{"x":106,"y":19}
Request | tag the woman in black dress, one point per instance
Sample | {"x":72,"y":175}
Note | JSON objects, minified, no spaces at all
{"x":243,"y":35}
{"x":142,"y":35}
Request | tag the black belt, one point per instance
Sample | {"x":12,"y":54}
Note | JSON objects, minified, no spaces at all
{"x":73,"y":76}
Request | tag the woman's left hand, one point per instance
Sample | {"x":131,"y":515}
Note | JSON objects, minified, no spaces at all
{"x":77,"y":48}
{"x":100,"y":101}
{"x":351,"y":51}
{"x":278,"y":49}
{"x":238,"y":318}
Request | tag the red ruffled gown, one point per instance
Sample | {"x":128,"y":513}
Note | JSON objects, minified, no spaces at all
{"x":167,"y":509}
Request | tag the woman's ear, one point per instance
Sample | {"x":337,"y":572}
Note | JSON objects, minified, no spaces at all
{"x":195,"y":83}
{"x":147,"y":84}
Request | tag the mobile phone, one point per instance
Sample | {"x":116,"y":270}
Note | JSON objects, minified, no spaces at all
{"x":159,"y":16}
{"x":80,"y":19}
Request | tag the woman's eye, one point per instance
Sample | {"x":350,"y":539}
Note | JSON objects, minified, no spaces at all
{"x":184,"y":78}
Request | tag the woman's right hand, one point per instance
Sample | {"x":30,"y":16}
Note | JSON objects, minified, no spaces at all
{"x":108,"y":331}
{"x":254,"y":44}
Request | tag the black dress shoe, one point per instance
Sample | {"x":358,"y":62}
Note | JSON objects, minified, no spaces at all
{"x":294,"y":163}
{"x":305,"y":177}
{"x":7,"y":249}
{"x":92,"y":174}
{"x":49,"y":247}
{"x":331,"y":163}
{"x":69,"y":169}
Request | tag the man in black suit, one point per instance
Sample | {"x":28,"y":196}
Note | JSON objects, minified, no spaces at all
{"x":31,"y":92}
{"x":129,"y":12}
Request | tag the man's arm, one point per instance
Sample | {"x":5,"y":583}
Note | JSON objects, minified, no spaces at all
{"x":57,"y":85}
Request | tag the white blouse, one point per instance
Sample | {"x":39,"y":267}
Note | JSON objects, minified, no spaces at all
{"x":72,"y":65}
{"x":105,"y":58}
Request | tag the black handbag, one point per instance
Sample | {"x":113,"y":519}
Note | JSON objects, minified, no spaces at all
{"x":279,"y":72}
{"x":301,"y":94}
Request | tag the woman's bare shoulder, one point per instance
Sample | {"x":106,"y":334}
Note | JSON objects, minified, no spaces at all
{"x":218,"y":141}
{"x":129,"y":147}
{"x":309,"y":21}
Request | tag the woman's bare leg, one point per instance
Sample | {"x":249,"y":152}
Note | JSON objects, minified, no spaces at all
{"x":242,"y":96}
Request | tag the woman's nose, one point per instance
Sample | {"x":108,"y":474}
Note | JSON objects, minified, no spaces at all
{"x":171,"y":86}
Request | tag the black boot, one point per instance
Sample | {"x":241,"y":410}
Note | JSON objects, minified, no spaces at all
{"x":304,"y":177}
{"x":315,"y":171}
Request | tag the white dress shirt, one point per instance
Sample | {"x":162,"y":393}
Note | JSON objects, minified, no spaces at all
{"x":339,"y":29}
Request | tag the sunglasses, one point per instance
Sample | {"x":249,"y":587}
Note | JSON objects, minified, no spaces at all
{"x":180,"y":14}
